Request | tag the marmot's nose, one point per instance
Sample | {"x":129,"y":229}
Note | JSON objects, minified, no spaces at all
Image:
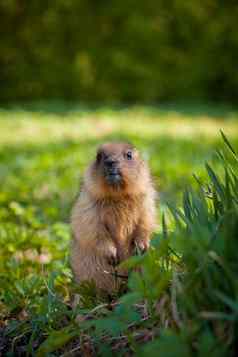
{"x":110,"y":163}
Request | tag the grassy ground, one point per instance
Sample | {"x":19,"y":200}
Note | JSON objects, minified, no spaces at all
{"x":44,"y":150}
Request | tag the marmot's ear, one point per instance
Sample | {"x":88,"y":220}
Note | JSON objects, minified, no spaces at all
{"x":130,"y":145}
{"x":99,"y":156}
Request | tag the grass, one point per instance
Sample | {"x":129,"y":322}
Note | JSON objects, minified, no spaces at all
{"x":44,"y":150}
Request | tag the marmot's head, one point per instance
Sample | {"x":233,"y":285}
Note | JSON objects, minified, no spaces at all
{"x":117,"y":170}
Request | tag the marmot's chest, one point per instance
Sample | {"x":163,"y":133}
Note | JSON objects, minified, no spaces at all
{"x":121,"y":218}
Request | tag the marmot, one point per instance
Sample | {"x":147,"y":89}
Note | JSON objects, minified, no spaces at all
{"x":114,"y":213}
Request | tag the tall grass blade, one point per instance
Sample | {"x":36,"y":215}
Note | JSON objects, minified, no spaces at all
{"x":228,"y":144}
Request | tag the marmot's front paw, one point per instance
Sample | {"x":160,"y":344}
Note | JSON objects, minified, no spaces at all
{"x":112,"y":256}
{"x":141,"y":246}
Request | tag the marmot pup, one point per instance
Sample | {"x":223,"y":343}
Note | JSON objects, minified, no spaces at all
{"x":114,"y":213}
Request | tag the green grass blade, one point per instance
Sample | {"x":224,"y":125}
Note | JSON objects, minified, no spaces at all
{"x":228,"y":144}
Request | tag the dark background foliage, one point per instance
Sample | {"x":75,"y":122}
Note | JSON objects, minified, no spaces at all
{"x":114,"y":51}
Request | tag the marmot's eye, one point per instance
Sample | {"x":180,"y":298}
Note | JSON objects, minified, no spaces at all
{"x":129,"y":155}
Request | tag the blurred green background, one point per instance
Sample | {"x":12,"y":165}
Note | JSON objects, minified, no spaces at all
{"x":77,"y":73}
{"x":119,"y":51}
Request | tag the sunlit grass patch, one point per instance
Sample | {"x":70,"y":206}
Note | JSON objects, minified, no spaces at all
{"x":23,"y":126}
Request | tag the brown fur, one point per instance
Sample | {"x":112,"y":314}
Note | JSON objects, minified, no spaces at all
{"x":109,"y":220}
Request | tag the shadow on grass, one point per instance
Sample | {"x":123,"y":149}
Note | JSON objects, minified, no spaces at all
{"x":64,"y":108}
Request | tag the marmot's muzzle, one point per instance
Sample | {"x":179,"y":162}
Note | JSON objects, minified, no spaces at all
{"x":112,"y":172}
